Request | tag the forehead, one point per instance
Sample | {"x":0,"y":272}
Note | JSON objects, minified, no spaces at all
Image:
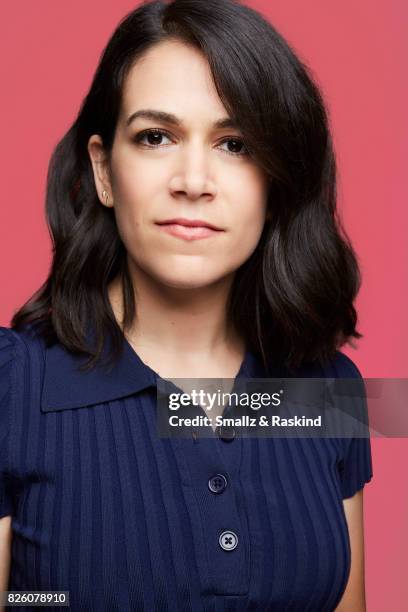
{"x":174,"y":77}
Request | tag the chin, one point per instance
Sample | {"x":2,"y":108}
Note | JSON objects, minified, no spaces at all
{"x":187,"y":282}
{"x":187,"y":279}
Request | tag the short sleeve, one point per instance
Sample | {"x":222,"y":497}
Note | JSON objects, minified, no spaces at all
{"x":356,"y":467}
{"x":6,"y":362}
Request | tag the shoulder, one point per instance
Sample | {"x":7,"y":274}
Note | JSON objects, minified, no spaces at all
{"x":6,"y":337}
{"x":7,"y":353}
{"x":22,"y":367}
{"x":344,"y":366}
{"x":18,"y":342}
{"x":9,"y":347}
{"x":7,"y":362}
{"x":18,"y":349}
{"x":339,"y":366}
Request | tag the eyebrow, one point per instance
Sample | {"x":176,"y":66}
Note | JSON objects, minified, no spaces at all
{"x":156,"y":115}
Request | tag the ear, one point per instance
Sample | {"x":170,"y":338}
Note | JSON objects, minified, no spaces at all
{"x":100,"y":166}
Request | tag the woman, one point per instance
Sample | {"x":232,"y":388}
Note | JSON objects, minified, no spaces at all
{"x":199,"y":113}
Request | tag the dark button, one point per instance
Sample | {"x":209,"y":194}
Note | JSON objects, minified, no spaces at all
{"x":228,"y":540}
{"x":217,"y":483}
{"x":226,"y":433}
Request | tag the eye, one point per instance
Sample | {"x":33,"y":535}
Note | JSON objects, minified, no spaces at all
{"x":236,"y":143}
{"x":155,"y":136}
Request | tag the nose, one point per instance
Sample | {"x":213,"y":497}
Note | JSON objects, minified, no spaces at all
{"x":192,"y":177}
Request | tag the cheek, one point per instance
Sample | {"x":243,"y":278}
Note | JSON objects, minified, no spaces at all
{"x":134,"y":192}
{"x":133,"y":183}
{"x":249,"y":217}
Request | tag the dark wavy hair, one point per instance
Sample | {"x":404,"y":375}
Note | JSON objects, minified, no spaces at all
{"x":292,"y":300}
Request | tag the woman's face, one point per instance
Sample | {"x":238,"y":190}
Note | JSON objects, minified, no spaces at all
{"x":192,"y":169}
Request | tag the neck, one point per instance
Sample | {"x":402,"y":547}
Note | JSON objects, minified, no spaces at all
{"x":177,"y":321}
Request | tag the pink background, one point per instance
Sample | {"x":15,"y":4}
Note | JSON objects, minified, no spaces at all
{"x":358,"y":54}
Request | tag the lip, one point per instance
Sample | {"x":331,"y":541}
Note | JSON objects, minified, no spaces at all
{"x":186,"y":232}
{"x":189,"y":223}
{"x":189,"y":229}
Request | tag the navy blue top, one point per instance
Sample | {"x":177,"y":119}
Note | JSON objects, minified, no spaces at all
{"x":123,"y":519}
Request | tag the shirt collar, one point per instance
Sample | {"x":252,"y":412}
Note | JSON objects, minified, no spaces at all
{"x":65,"y":386}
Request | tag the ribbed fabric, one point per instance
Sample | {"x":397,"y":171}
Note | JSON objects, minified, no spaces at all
{"x":124,"y":520}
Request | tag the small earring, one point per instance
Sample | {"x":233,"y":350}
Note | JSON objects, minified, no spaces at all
{"x":106,"y":196}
